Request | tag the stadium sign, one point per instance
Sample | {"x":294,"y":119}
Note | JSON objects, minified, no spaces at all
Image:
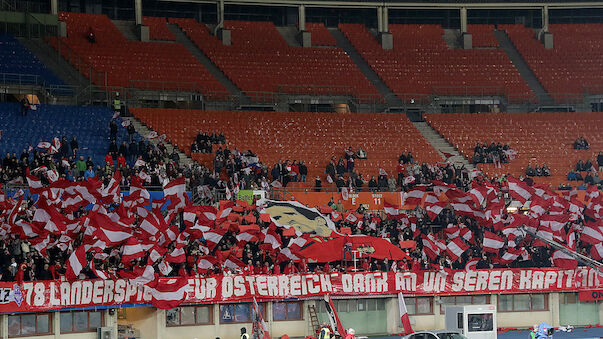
{"x":56,"y":295}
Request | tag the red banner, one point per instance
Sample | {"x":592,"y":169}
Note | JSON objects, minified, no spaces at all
{"x":55,"y":295}
{"x":593,"y":295}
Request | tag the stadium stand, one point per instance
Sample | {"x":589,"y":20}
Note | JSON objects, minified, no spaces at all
{"x":20,"y":65}
{"x":320,"y":34}
{"x":482,"y":35}
{"x":90,"y":125}
{"x":421,"y":63}
{"x":146,"y":65}
{"x":260,"y":60}
{"x":158,"y":29}
{"x":572,"y":66}
{"x":537,"y":137}
{"x":312,"y":137}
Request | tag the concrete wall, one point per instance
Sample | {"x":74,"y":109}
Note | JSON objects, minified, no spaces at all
{"x":152,"y":322}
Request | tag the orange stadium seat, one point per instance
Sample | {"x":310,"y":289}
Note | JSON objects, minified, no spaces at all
{"x":146,"y":65}
{"x":260,"y":60}
{"x":572,"y":67}
{"x":158,"y":29}
{"x":320,"y":34}
{"x":421,"y":61}
{"x":537,"y":137}
{"x":312,"y":137}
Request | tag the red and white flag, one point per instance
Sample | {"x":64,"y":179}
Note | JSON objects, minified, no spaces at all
{"x":168,"y":293}
{"x":563,"y":260}
{"x":132,"y":250}
{"x":456,"y":248}
{"x":519,"y":190}
{"x":75,"y":263}
{"x":404,"y":315}
{"x":492,"y":242}
{"x":213,"y":237}
{"x":414,"y":196}
{"x":433,"y":210}
{"x":510,"y":256}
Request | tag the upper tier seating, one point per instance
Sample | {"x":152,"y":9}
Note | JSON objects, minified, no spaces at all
{"x":158,"y":29}
{"x":482,"y":35}
{"x":573,"y":66}
{"x":147,"y":65}
{"x":537,"y":137}
{"x":312,"y":137}
{"x":260,"y":60}
{"x":320,"y":34}
{"x":421,"y":61}
{"x":90,"y":125}
{"x":18,"y":60}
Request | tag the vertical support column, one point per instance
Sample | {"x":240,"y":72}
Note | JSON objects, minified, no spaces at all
{"x":379,"y":20}
{"x":385,"y":16}
{"x":138,"y":12}
{"x":54,"y":7}
{"x":385,"y":38}
{"x":463,"y":12}
{"x":466,"y":38}
{"x":303,"y":37}
{"x":545,"y":18}
{"x":545,"y":36}
{"x":223,"y":34}
{"x":301,"y":18}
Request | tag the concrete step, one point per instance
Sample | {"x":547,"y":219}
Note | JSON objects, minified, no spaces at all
{"x":59,"y":66}
{"x":127,"y":28}
{"x":524,"y":70}
{"x":143,"y":130}
{"x":343,"y":43}
{"x":441,"y":145}
{"x":289,"y":33}
{"x":207,"y":63}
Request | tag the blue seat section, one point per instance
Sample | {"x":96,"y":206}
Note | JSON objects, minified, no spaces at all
{"x":90,"y":125}
{"x":17,"y":59}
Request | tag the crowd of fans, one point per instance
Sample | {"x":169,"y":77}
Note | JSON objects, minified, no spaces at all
{"x":22,"y":262}
{"x":581,"y":143}
{"x":538,"y":171}
{"x":491,"y":154}
{"x":236,"y":170}
{"x":204,"y":142}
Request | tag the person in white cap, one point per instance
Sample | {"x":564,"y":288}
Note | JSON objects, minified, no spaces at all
{"x":351,"y":334}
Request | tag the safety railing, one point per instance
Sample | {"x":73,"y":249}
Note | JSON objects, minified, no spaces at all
{"x":469,"y":91}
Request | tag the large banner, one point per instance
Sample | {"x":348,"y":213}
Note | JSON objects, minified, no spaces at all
{"x":56,"y":295}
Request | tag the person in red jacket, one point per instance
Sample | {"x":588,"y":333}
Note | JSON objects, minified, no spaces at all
{"x":121,"y":160}
{"x":290,"y":269}
{"x":20,"y":276}
{"x":277,"y":268}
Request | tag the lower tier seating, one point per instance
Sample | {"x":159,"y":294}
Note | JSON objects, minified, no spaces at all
{"x":312,"y":137}
{"x":538,"y":138}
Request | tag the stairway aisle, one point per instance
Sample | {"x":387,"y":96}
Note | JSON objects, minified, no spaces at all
{"x":363,"y":66}
{"x":207,"y":63}
{"x":51,"y":59}
{"x":524,"y":70}
{"x":144,"y":131}
{"x":441,"y":145}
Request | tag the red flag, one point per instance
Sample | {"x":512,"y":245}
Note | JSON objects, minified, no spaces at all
{"x":519,"y":190}
{"x":168,"y":293}
{"x":492,"y":242}
{"x":456,"y":248}
{"x":75,"y":263}
{"x":404,"y":315}
{"x":414,"y":196}
{"x":563,"y":260}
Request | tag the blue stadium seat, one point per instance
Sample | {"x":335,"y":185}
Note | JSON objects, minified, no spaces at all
{"x":90,"y":125}
{"x":16,"y":59}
